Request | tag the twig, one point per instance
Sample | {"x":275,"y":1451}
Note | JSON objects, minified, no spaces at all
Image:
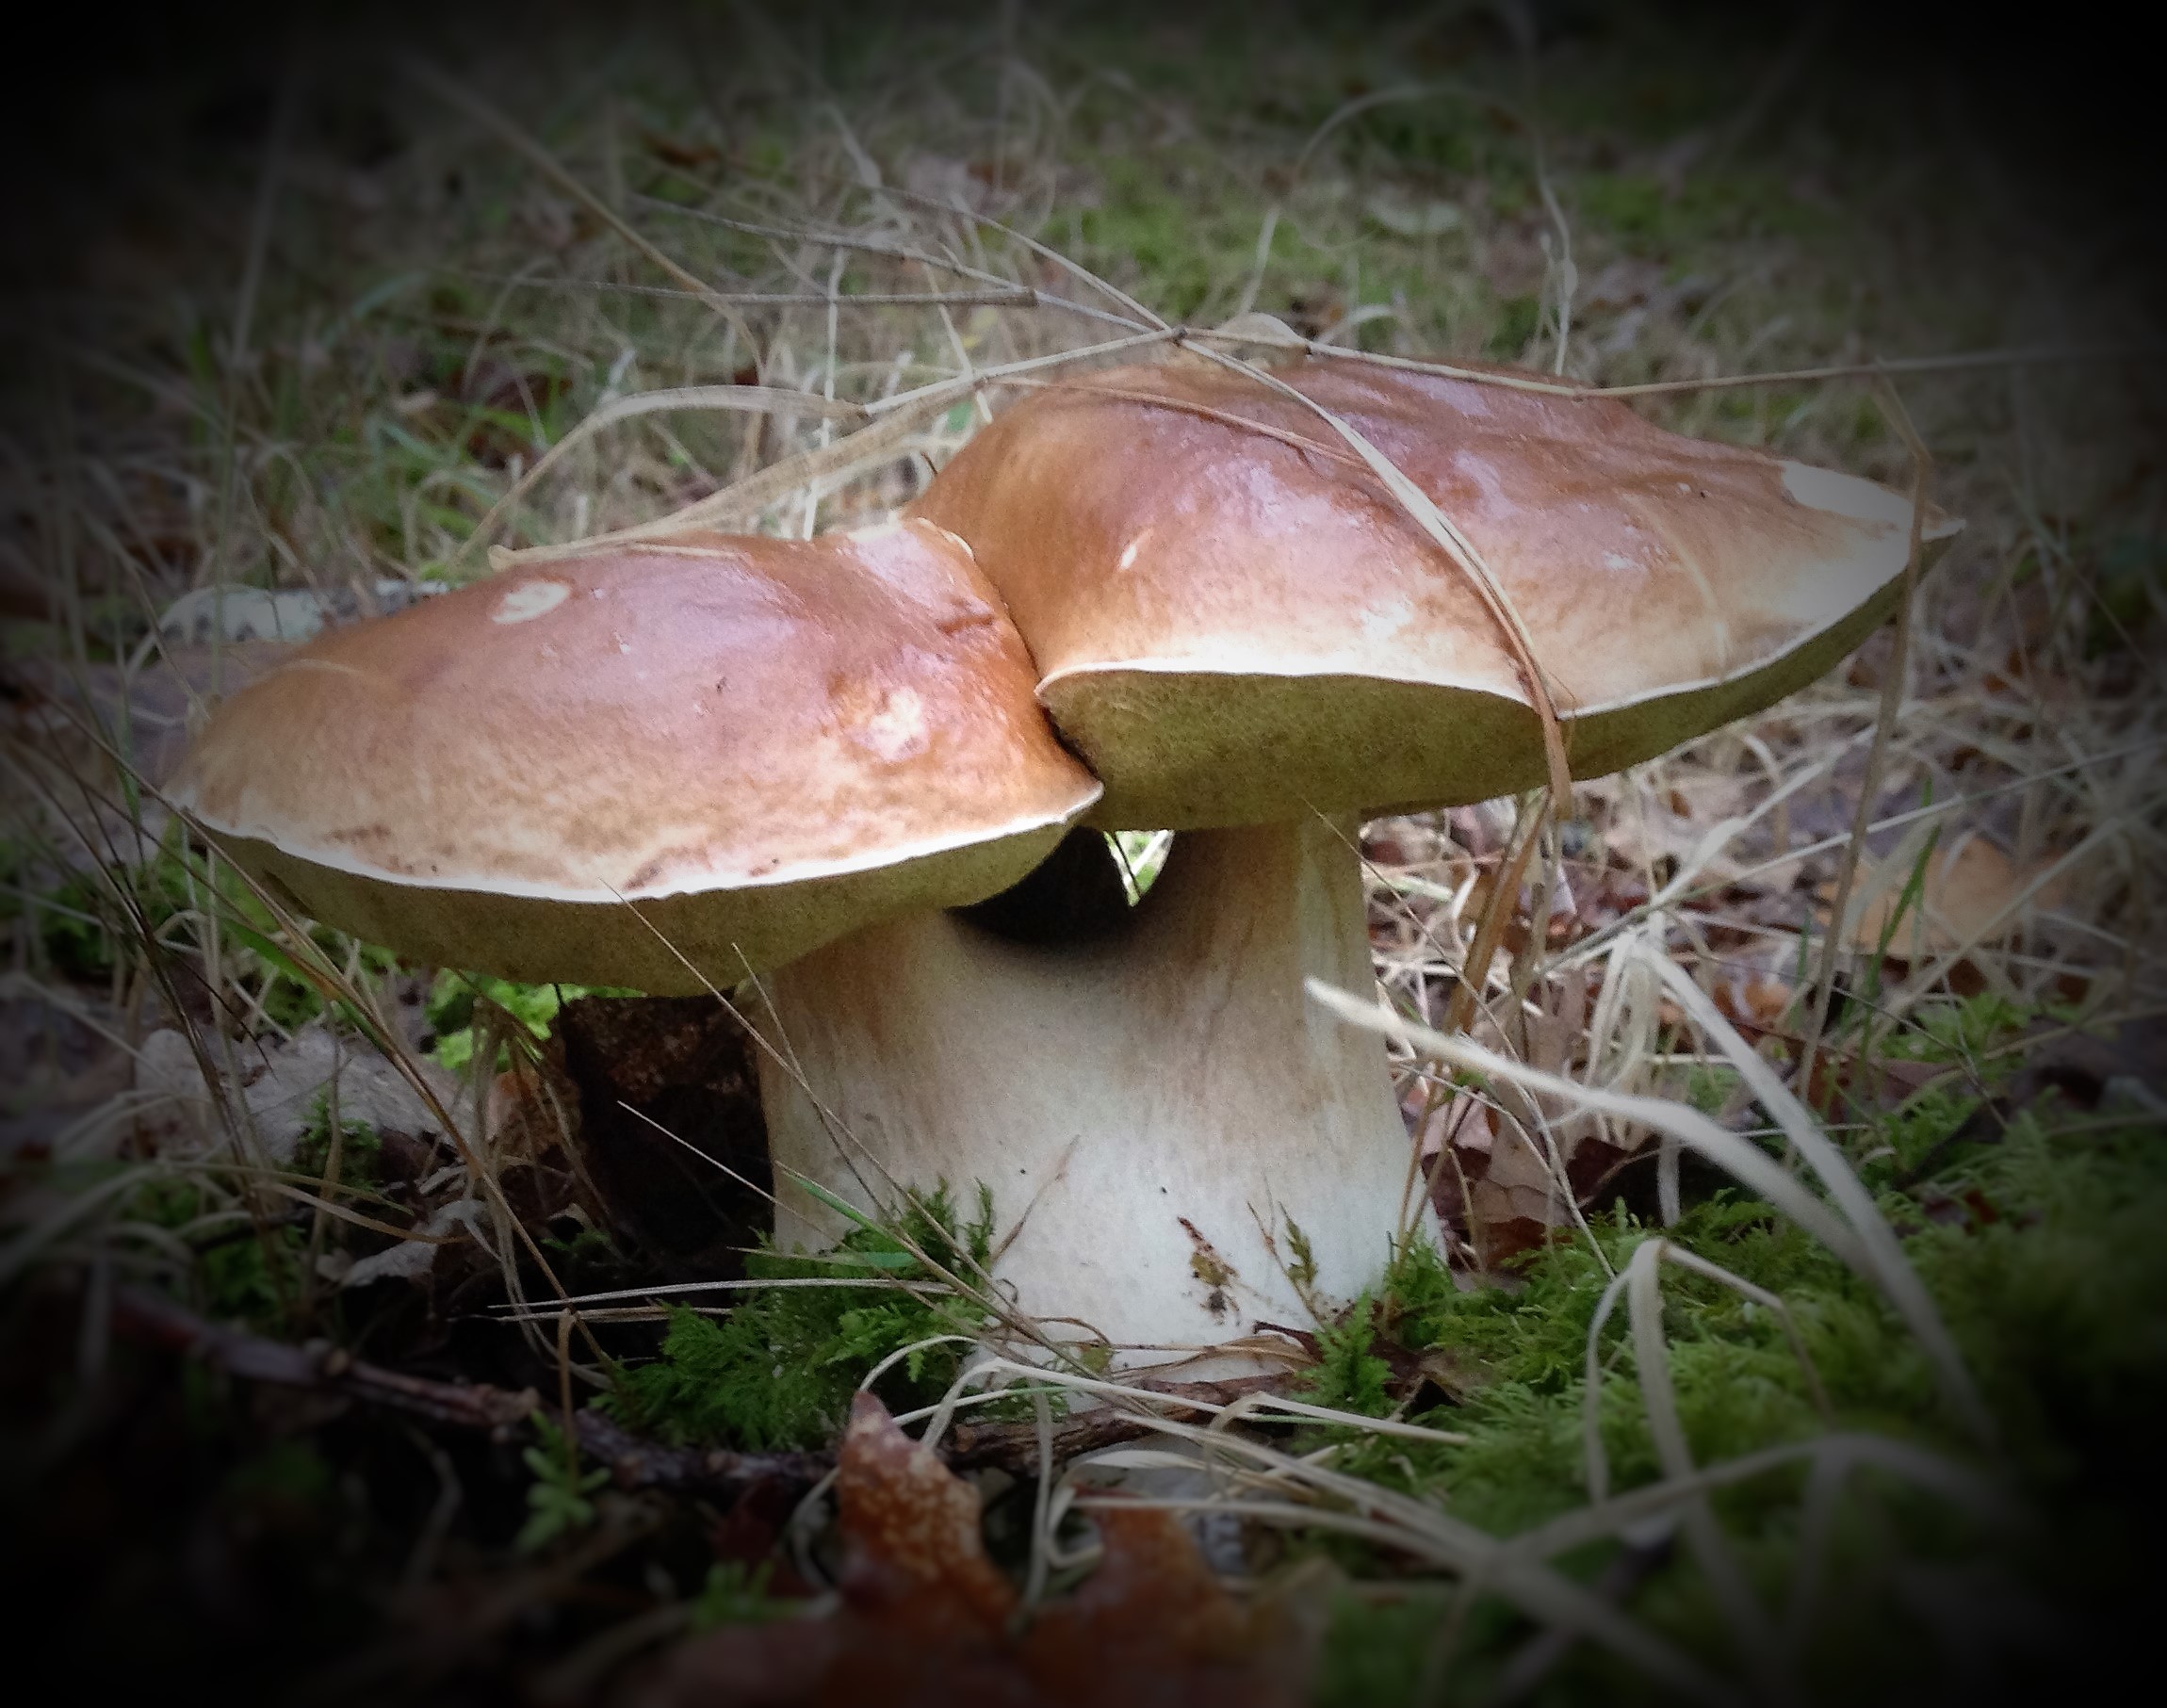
{"x":635,"y":1461}
{"x":154,"y":1319}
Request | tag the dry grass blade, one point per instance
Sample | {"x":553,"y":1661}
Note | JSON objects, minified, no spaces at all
{"x":1364,"y":1509}
{"x":1894,"y":683}
{"x":1960,"y":361}
{"x":749,"y":399}
{"x":1597,"y":1462}
{"x":449,"y":90}
{"x":1460,"y":552}
{"x":1074,"y":269}
{"x":1877,"y":1241}
{"x":1353,"y":1507}
{"x":893,"y":421}
{"x":1497,"y":915}
{"x":1659,"y":1398}
{"x":1004,"y":293}
{"x":1845,"y":1451}
{"x":1737,"y":1157}
{"x":874,"y":443}
{"x":1505,"y":379}
{"x":1502,"y":379}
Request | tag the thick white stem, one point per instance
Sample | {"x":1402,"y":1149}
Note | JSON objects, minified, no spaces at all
{"x":1161,"y":1110}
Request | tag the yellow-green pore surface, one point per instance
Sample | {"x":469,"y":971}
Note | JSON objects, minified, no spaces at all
{"x":720,"y":751}
{"x":1232,"y":627}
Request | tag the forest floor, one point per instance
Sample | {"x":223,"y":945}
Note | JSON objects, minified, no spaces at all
{"x":290,"y":1399}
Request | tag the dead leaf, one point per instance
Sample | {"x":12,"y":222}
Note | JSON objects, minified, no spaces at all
{"x":911,"y":1528}
{"x":1754,"y":1001}
{"x":1152,"y":1626}
{"x":673,"y":151}
{"x":1967,"y":896}
{"x":927,"y":1619}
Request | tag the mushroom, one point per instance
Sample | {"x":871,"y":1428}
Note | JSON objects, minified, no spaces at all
{"x":809,"y":759}
{"x":666,"y":766}
{"x":1251,"y":643}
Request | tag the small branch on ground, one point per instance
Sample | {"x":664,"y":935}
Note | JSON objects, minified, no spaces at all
{"x":150,"y":1319}
{"x":635,"y":1461}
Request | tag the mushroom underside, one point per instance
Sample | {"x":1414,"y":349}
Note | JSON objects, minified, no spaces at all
{"x":1185,"y":742}
{"x":667,"y":945}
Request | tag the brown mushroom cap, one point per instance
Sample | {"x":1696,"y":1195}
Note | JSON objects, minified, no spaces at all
{"x":760,"y":743}
{"x":1231,"y":626}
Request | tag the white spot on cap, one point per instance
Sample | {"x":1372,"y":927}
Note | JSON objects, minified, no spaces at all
{"x":1128,"y":558}
{"x":1381,"y":621}
{"x":1684,"y":486}
{"x":898,"y":729}
{"x":1616,"y":560}
{"x":529,"y":600}
{"x":955,"y":539}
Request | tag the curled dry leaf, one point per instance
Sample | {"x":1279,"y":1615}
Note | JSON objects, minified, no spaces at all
{"x":911,"y":1527}
{"x":1970,"y":893}
{"x":926,"y":1617}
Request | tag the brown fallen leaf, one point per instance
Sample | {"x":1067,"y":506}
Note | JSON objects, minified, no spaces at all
{"x":1152,"y":1626}
{"x":1755,"y":1002}
{"x":911,"y":1529}
{"x":1968,"y":895}
{"x":927,"y":1619}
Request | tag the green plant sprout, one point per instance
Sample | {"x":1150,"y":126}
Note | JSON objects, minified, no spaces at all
{"x":557,"y":1500}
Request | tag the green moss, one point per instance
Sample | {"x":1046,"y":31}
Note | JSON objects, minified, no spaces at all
{"x":1153,"y":223}
{"x":557,"y":1502}
{"x":455,"y":996}
{"x":1517,"y":318}
{"x":2049,"y":1274}
{"x":253,"y":1278}
{"x":1372,"y":1653}
{"x":1348,"y":1375}
{"x":359,"y":1153}
{"x":735,"y":1594}
{"x":289,"y":1473}
{"x":1649,"y":216}
{"x":779,"y":1369}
